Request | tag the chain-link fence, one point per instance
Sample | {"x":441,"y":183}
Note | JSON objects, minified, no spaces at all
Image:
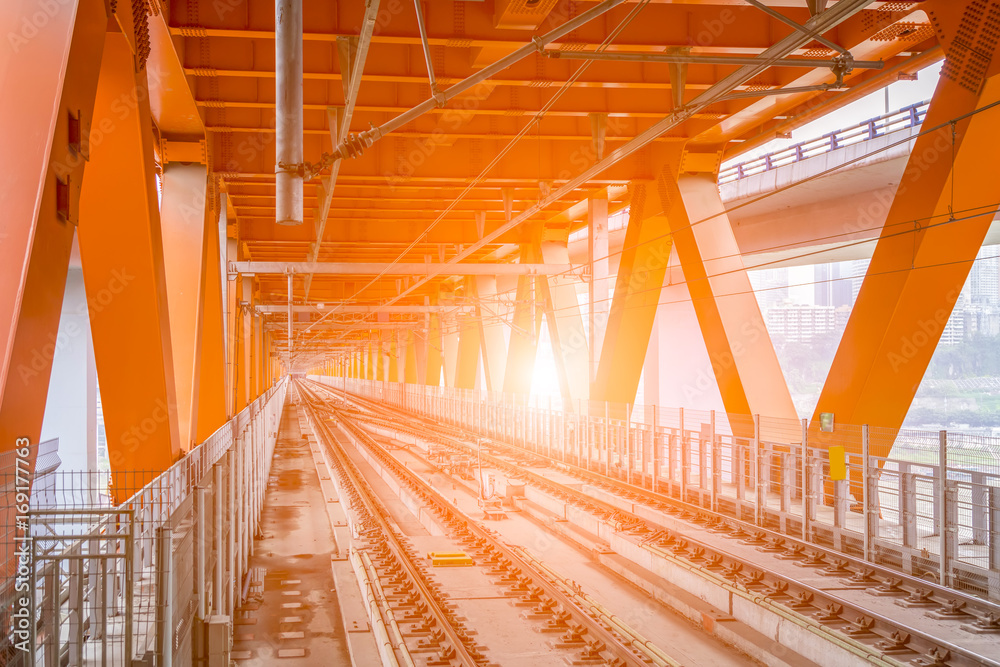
{"x":134,"y":582}
{"x":869,"y":491}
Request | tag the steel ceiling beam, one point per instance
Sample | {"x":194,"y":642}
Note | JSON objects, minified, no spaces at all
{"x":351,"y":87}
{"x":353,"y":145}
{"x":680,"y":59}
{"x":814,"y":26}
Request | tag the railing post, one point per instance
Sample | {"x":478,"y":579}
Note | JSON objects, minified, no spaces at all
{"x":685,"y":458}
{"x":716,"y":452}
{"x":866,"y":496}
{"x":628,"y":443}
{"x":761,"y":499}
{"x":806,"y":518}
{"x":607,"y":439}
{"x":656,"y":451}
{"x":164,"y":597}
{"x":218,"y":520}
{"x":942,"y":499}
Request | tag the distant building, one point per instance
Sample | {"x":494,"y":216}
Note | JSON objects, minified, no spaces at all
{"x":770,"y":286}
{"x":799,"y":324}
{"x":833,"y":284}
{"x":984,"y":278}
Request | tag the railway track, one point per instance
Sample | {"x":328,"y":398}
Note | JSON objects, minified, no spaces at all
{"x":854,"y":625}
{"x":581,"y":628}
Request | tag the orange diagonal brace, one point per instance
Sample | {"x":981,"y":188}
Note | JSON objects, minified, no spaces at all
{"x":637,"y":289}
{"x":182,"y":221}
{"x":935,"y":227}
{"x":48,"y":79}
{"x":743,"y":358}
{"x":122,"y":254}
{"x":467,"y":366}
{"x":212,"y":369}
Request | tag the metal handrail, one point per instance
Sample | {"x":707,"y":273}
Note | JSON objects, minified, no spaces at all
{"x":905,"y":118}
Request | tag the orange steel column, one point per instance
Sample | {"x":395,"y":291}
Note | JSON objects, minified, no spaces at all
{"x":435,"y":352}
{"x":182,"y":221}
{"x":410,"y":374}
{"x":467,"y":366}
{"x":212,"y":411}
{"x":394,"y":357}
{"x":637,"y":291}
{"x":49,"y":78}
{"x":121,"y":249}
{"x":936,"y":225}
{"x":232,"y":331}
{"x":245,"y":389}
{"x":743,"y":359}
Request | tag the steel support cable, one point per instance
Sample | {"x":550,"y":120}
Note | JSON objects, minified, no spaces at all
{"x":815,"y":26}
{"x":496,"y":159}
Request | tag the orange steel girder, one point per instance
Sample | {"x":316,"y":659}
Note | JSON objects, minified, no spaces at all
{"x":469,"y":344}
{"x":123,"y":267}
{"x":435,"y":352}
{"x":739,"y":346}
{"x":212,"y":412}
{"x":182,"y":221}
{"x":936,"y":224}
{"x":641,"y":269}
{"x":48,"y":79}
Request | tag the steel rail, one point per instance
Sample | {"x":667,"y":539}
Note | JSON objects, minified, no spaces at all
{"x":737,"y":564}
{"x":624,"y":650}
{"x":369,"y":504}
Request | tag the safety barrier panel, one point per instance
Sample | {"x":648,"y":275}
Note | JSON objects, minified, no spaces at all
{"x":134,"y":584}
{"x":871,"y":492}
{"x":908,"y":117}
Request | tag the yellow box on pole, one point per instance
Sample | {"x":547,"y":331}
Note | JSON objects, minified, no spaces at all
{"x":838,"y":463}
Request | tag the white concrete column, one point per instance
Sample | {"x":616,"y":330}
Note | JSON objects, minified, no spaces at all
{"x":597,"y":256}
{"x":71,"y":404}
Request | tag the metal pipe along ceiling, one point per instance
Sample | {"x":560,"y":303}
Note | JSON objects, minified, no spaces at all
{"x":288,"y":105}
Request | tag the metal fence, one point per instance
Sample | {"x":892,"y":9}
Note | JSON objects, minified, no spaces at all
{"x":872,"y":492}
{"x":132,"y":584}
{"x":908,"y":117}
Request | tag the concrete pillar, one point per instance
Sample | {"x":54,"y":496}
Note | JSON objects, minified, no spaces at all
{"x":71,"y":403}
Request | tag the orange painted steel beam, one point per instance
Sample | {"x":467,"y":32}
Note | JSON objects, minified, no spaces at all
{"x":410,"y":371}
{"x":641,"y":270}
{"x":467,"y":367}
{"x":245,"y":345}
{"x":213,"y":370}
{"x":435,"y":352}
{"x":49,"y":77}
{"x":182,"y":223}
{"x":743,"y":359}
{"x":121,"y":247}
{"x":935,"y":227}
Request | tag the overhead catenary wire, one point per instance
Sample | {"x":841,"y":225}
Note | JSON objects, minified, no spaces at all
{"x":947,"y":124}
{"x":503,"y":152}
